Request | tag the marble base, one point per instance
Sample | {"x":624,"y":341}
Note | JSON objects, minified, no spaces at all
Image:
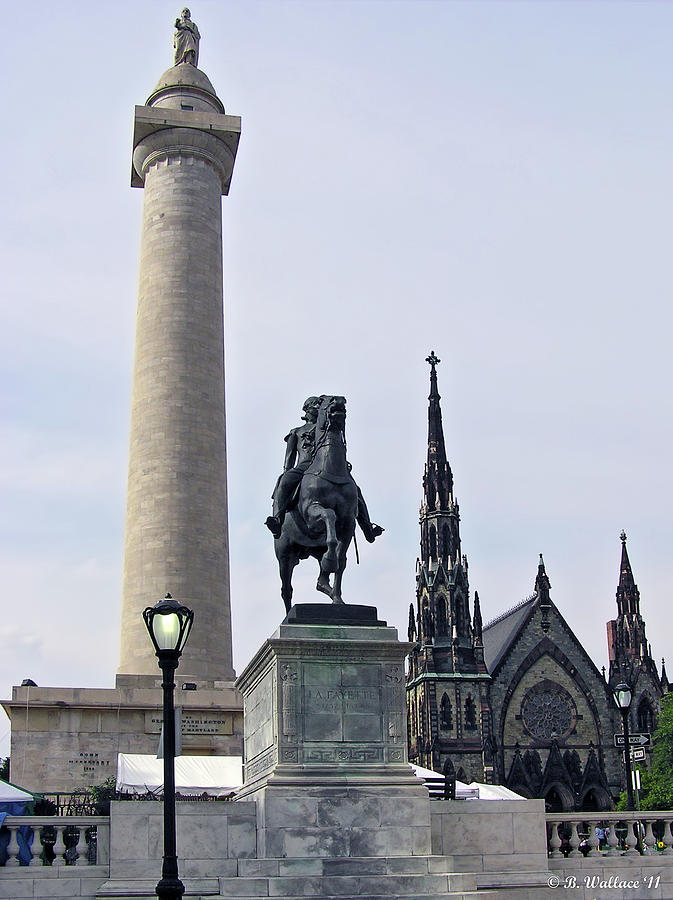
{"x":325,"y":746}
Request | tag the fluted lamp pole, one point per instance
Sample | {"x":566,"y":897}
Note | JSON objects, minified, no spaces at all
{"x":622,"y":695}
{"x":169,"y":623}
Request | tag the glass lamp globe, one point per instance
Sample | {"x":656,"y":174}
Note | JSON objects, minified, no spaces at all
{"x":168,"y":623}
{"x":622,"y":694}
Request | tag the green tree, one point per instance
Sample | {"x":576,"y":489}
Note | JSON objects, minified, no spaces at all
{"x":4,"y":768}
{"x":657,"y":784}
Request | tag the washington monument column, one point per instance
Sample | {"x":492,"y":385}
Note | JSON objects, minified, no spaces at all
{"x":184,"y":150}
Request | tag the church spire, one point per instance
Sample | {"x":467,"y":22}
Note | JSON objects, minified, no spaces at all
{"x":627,"y":642}
{"x":628,"y":595}
{"x":438,"y":479}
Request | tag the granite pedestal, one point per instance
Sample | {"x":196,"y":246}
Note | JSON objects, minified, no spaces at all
{"x":325,"y":753}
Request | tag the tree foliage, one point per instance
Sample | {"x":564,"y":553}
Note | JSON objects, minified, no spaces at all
{"x":657,"y":784}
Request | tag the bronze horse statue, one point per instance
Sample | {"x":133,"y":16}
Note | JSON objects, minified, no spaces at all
{"x":322,"y":521}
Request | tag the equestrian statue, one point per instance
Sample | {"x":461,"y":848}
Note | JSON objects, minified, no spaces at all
{"x":316,"y":502}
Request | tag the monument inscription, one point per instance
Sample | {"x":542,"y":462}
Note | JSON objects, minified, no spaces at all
{"x":193,"y":723}
{"x":342,"y":703}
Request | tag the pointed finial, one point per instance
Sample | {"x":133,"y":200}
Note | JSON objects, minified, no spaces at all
{"x":432,"y":359}
{"x":622,"y":536}
{"x":603,"y":671}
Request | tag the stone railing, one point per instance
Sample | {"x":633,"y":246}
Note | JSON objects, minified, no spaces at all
{"x":573,"y":835}
{"x":56,"y":841}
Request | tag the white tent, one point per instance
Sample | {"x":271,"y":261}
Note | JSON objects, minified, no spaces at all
{"x":9,"y":793}
{"x":474,"y":791}
{"x":217,"y":776}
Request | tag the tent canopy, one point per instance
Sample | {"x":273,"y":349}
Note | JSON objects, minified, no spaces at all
{"x":10,"y":793}
{"x":217,"y":776}
{"x":474,"y":791}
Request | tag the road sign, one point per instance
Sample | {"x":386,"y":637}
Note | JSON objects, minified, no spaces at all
{"x":638,"y":754}
{"x":635,"y":740}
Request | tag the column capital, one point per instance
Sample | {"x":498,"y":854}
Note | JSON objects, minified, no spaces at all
{"x":159,"y":132}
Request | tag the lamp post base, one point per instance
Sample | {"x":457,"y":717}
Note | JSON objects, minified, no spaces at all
{"x":170,"y":888}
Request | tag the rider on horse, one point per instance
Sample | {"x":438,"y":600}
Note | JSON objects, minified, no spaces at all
{"x":298,"y":457}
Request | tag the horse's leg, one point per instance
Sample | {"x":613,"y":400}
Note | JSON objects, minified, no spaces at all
{"x":317,"y":515}
{"x":287,"y":560}
{"x":342,"y":561}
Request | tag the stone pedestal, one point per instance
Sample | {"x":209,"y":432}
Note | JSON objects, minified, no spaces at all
{"x":325,"y":744}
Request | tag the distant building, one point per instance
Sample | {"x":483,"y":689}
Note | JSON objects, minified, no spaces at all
{"x":519,"y":701}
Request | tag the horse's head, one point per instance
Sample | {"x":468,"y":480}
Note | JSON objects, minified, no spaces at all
{"x":332,"y":414}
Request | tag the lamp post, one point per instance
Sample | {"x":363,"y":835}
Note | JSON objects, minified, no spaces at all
{"x":169,"y":624}
{"x":622,"y":695}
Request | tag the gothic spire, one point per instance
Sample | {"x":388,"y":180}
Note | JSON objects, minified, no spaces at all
{"x":628,"y":595}
{"x":476,"y":620}
{"x":438,"y":480}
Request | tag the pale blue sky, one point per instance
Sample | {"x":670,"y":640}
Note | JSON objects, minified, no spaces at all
{"x":491,"y":180}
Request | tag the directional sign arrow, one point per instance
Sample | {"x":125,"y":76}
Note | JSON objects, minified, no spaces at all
{"x":635,"y":740}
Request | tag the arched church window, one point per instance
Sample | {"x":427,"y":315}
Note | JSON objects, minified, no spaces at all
{"x":433,"y":542}
{"x":646,"y":720}
{"x":441,"y":617}
{"x":470,"y":714}
{"x":446,"y":713}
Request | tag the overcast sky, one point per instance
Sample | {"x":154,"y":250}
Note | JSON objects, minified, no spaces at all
{"x":491,"y":180}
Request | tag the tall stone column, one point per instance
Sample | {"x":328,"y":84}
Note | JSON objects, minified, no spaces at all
{"x":176,"y":518}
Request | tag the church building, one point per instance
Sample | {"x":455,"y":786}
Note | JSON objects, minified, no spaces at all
{"x":518,"y":701}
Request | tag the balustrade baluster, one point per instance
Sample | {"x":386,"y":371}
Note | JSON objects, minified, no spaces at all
{"x":649,"y":840}
{"x":554,"y":840}
{"x":593,"y":840}
{"x":632,"y":838}
{"x":613,"y":840}
{"x":59,"y":846}
{"x":667,"y":838}
{"x":81,"y":847}
{"x":36,"y":847}
{"x":13,"y":847}
{"x":574,"y":840}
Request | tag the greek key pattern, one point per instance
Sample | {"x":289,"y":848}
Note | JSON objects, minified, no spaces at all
{"x":343,"y":754}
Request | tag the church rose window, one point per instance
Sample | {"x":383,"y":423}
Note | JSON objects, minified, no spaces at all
{"x":548,"y":711}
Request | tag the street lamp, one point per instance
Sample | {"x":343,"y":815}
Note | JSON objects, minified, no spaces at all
{"x":169,"y":624}
{"x":622,"y":695}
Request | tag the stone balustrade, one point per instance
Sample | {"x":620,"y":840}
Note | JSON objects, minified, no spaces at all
{"x":637,"y":833}
{"x":37,"y":841}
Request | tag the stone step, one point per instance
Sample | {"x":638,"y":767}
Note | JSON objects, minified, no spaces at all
{"x":451,"y":895}
{"x":349,"y":865}
{"x":350,"y":885}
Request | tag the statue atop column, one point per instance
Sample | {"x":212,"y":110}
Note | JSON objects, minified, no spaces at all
{"x":186,"y":40}
{"x":316,"y":502}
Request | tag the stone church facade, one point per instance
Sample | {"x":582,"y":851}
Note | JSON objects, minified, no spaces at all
{"x":518,"y":701}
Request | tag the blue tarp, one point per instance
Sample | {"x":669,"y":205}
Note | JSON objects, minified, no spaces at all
{"x":24,"y":834}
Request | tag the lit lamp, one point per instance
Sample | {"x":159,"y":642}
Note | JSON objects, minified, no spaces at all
{"x":169,"y":624}
{"x":622,"y":695}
